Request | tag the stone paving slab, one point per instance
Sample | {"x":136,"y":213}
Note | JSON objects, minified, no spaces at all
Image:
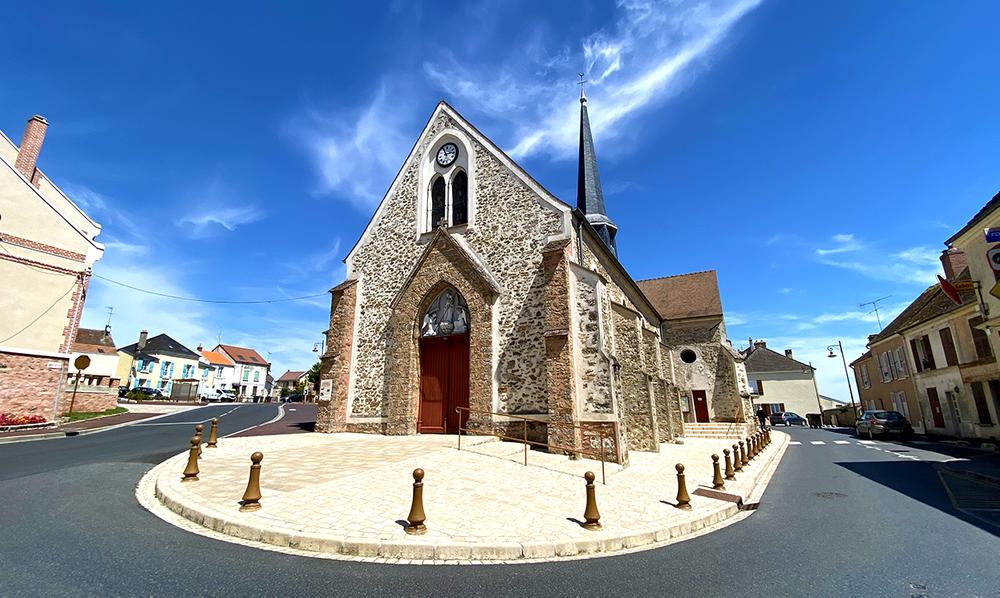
{"x":348,"y":494}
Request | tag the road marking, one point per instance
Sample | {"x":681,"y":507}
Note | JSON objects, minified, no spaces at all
{"x":842,"y":442}
{"x":794,"y":443}
{"x":281,"y":414}
{"x":816,"y":442}
{"x":866,"y":442}
{"x":204,"y":421}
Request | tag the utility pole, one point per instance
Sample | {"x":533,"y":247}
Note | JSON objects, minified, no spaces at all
{"x":874,"y":305}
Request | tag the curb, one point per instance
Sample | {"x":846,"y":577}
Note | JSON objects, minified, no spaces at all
{"x":68,"y":433}
{"x":160,"y":500}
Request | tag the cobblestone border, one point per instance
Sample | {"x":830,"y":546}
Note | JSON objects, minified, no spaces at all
{"x":220,"y":526}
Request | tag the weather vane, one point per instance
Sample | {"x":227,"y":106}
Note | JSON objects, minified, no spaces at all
{"x":582,"y":81}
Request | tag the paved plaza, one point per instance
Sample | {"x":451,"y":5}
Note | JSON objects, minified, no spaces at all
{"x":348,"y":495}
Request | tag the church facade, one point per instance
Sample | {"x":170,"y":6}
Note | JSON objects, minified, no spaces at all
{"x":475,"y":297}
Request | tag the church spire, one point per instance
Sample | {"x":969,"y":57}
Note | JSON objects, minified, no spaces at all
{"x":589,"y":196}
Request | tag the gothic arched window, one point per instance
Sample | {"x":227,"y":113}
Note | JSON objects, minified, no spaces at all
{"x":437,"y":201}
{"x":447,"y":314}
{"x":460,"y":198}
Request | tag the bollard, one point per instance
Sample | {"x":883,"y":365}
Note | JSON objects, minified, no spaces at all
{"x":251,"y":498}
{"x":749,"y":446}
{"x":743,"y":454}
{"x":416,"y":517}
{"x":213,"y":435}
{"x":767,"y":432}
{"x":752,"y":444}
{"x":191,"y":471}
{"x":683,"y":500}
{"x":730,"y":475}
{"x":197,"y":432}
{"x":737,"y":462}
{"x":717,"y":483}
{"x":590,"y":513}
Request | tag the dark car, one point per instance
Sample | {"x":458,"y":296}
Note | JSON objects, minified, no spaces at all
{"x":787,"y":418}
{"x":293,"y":398}
{"x":883,"y":423}
{"x":149,"y":391}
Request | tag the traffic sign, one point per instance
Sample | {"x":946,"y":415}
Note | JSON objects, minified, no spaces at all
{"x":82,"y":362}
{"x":992,"y":235}
{"x":964,"y":285}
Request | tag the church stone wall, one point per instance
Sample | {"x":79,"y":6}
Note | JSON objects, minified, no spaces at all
{"x":593,"y":364}
{"x":638,"y":412}
{"x":510,"y":228}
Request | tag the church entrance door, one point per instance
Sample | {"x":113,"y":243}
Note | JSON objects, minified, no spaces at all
{"x":444,"y":383}
{"x":700,"y":406}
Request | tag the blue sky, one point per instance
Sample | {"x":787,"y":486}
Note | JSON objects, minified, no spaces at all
{"x":815,"y":154}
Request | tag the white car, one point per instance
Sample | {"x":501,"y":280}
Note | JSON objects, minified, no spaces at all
{"x":221,"y":396}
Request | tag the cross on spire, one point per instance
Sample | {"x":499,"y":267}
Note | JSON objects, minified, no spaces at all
{"x":583,"y":97}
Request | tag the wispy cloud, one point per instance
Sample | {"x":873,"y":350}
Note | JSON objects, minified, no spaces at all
{"x":913,"y":266}
{"x":786,"y":291}
{"x":843,"y":243}
{"x":98,"y":206}
{"x":356,"y":153}
{"x":634,"y":63}
{"x":216,"y":207}
{"x":229,"y":218}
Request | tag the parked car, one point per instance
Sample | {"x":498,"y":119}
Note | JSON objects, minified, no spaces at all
{"x":293,"y":398}
{"x":149,"y":391}
{"x":787,"y":418}
{"x":883,"y":423}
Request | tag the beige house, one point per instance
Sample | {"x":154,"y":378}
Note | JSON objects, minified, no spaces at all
{"x":250,"y":370}
{"x":781,"y":383}
{"x":884,"y":377}
{"x":47,"y":250}
{"x":97,"y":389}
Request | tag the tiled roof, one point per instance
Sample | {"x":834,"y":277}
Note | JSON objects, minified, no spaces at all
{"x":216,"y":358}
{"x":89,"y":340}
{"x":291,"y":376}
{"x":927,"y":306}
{"x":990,"y":206}
{"x":691,"y":295}
{"x":762,"y":359}
{"x":162,"y":344}
{"x":864,"y":356}
{"x":243,"y":354}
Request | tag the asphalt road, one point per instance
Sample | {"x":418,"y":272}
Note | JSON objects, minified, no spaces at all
{"x":837,"y":520}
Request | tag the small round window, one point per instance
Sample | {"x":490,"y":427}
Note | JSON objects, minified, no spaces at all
{"x":688,"y":356}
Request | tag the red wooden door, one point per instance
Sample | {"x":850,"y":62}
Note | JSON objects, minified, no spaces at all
{"x":932,"y":398}
{"x":444,"y":383}
{"x":700,"y":406}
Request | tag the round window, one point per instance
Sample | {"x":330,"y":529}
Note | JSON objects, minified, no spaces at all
{"x":688,"y":356}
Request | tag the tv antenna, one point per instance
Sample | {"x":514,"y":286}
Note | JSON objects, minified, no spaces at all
{"x":874,"y":303}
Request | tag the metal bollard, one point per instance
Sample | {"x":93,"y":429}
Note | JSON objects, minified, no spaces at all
{"x":590,"y":514}
{"x":743,"y":454}
{"x":730,"y":475}
{"x":752,"y":445}
{"x":191,"y":471}
{"x":197,"y":432}
{"x":737,"y":462}
{"x":416,"y":517}
{"x":717,"y":483}
{"x":683,"y":500}
{"x":749,"y":446}
{"x":251,"y":498}
{"x":213,"y":435}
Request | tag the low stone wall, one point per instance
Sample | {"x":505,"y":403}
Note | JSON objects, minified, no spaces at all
{"x":88,"y":398}
{"x":30,"y":384}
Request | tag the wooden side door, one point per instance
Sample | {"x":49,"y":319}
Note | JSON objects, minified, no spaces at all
{"x":433,"y":385}
{"x":700,"y":406}
{"x":458,"y":382}
{"x":932,"y":398}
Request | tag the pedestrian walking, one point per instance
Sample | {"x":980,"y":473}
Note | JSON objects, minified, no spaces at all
{"x":762,"y":418}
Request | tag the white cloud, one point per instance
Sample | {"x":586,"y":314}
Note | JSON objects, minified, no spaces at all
{"x":356,"y":154}
{"x":229,"y":218}
{"x":843,"y":244}
{"x":99,"y":207}
{"x":636,"y":62}
{"x":785,"y":290}
{"x":113,"y":244}
{"x":916,"y":265}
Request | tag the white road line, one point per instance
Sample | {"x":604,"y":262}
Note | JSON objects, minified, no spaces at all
{"x":842,"y":442}
{"x":866,"y":442}
{"x":816,"y":442}
{"x":281,"y":414}
{"x":204,"y":421}
{"x":794,"y":443}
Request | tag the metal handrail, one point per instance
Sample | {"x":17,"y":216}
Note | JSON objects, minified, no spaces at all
{"x":524,"y":439}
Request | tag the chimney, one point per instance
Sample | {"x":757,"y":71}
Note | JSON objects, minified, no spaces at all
{"x":31,"y":146}
{"x":760,"y":344}
{"x":200,"y":348}
{"x":788,"y":353}
{"x":142,"y":340}
{"x":953,"y":261}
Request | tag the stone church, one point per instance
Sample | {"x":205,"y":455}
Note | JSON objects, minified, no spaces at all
{"x":475,"y":298}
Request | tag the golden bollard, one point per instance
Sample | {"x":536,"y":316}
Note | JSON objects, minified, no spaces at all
{"x":743,"y":454}
{"x":737,"y":462}
{"x":416,"y":517}
{"x":683,"y":500}
{"x":213,"y":435}
{"x":251,"y":498}
{"x":730,"y":475}
{"x":767,"y":433}
{"x":590,"y":513}
{"x":197,"y":432}
{"x":717,"y":483}
{"x":752,"y":447}
{"x":191,"y":471}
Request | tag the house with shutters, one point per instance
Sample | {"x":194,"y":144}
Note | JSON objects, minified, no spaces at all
{"x":781,"y":383}
{"x":160,"y":362}
{"x":250,"y":370}
{"x":48,"y":247}
{"x":218,"y":371}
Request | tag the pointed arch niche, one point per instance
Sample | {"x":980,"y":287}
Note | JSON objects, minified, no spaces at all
{"x":446,"y":192}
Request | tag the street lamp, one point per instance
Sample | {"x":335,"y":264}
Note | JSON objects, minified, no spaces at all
{"x":840,"y":347}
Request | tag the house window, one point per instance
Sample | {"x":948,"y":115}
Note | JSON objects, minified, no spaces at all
{"x":256,"y":376}
{"x":866,"y":380}
{"x":900,"y":358}
{"x":885,"y":366}
{"x":899,"y":403}
{"x":777,"y":407}
{"x":948,"y":342}
{"x":246,"y":374}
{"x":760,"y":386}
{"x":922,"y":353}
{"x":980,"y":339}
{"x":218,"y":371}
{"x":437,"y":202}
{"x":460,"y":198}
{"x":982,"y":409}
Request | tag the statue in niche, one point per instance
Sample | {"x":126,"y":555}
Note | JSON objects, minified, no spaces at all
{"x":447,"y":314}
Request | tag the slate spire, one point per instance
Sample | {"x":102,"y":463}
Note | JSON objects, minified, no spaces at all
{"x":589,"y":196}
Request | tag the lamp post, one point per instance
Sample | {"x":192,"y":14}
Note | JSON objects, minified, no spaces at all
{"x":840,"y":347}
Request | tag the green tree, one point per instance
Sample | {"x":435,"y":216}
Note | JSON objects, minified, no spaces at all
{"x":313,"y":376}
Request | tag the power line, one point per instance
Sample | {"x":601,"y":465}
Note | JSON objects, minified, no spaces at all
{"x":39,"y":316}
{"x":199,"y":300}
